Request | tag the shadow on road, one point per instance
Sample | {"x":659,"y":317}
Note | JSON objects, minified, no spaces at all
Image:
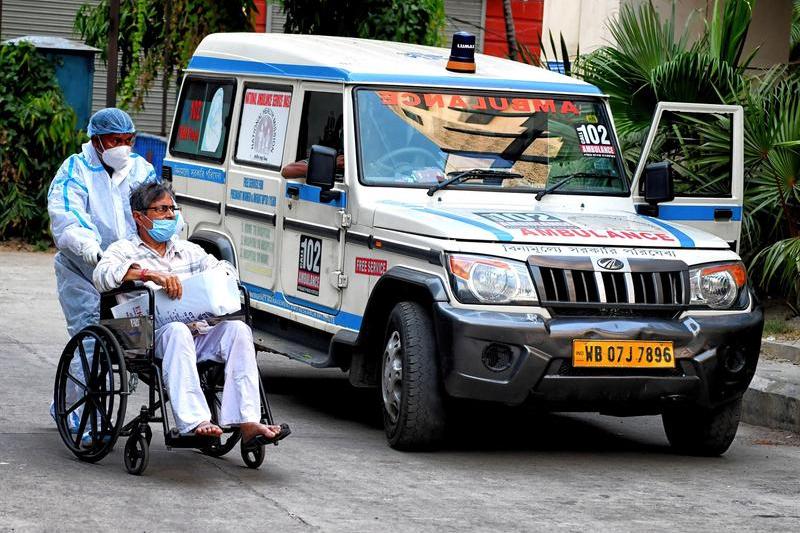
{"x":473,"y":425}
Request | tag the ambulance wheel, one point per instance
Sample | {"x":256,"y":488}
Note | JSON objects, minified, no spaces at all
{"x":137,"y":454}
{"x":703,"y":433}
{"x":253,"y":456}
{"x":413,"y":400}
{"x":91,"y":393}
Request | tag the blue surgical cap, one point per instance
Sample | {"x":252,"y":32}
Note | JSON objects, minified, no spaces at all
{"x":110,"y":120}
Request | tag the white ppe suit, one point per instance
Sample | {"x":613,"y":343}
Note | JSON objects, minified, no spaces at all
{"x":88,"y":208}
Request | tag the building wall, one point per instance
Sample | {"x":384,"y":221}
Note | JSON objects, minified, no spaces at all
{"x":584,"y":22}
{"x":56,"y":17}
{"x":581,"y":22}
{"x":527,"y":16}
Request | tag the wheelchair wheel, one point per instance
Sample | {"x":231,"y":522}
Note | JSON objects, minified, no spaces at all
{"x":137,"y":454}
{"x":229,"y":438}
{"x":91,"y":393}
{"x":253,"y":456}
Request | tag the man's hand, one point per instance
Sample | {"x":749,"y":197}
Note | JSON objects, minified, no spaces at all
{"x":91,"y":254}
{"x":171,"y":283}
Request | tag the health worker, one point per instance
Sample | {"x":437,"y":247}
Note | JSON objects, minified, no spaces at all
{"x":89,"y":207}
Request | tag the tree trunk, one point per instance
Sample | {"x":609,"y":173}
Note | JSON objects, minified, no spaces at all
{"x":113,"y":36}
{"x":166,"y":71}
{"x":511,"y":33}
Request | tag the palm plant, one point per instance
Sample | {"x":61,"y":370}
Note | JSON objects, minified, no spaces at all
{"x":651,"y":62}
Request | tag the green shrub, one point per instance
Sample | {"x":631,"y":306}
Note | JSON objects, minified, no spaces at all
{"x":37,"y":132}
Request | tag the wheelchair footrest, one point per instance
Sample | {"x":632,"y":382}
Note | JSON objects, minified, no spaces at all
{"x":174,"y":439}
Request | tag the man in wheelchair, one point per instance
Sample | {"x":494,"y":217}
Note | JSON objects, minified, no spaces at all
{"x":157,"y":256}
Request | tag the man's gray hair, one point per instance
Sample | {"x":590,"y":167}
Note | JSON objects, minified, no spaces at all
{"x":147,"y":193}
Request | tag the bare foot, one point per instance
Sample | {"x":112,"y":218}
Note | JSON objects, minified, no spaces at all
{"x":207,"y":429}
{"x":252,"y":429}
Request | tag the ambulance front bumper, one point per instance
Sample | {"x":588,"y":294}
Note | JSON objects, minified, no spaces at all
{"x":516,"y":358}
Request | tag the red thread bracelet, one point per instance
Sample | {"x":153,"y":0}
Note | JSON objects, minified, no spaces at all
{"x":142,"y":274}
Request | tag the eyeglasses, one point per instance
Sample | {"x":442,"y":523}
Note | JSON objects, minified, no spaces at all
{"x":164,"y":208}
{"x":112,"y":140}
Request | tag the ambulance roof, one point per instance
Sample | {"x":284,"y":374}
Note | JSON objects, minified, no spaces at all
{"x":362,"y":61}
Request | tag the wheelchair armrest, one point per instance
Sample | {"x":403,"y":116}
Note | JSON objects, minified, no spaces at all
{"x":129,"y":286}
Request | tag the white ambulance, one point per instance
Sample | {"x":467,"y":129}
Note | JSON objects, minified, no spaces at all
{"x":481,"y":240}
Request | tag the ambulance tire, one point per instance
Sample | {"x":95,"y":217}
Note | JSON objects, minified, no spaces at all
{"x":413,"y":399}
{"x":703,"y":433}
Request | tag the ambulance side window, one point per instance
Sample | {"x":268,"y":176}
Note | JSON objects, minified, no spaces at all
{"x":321,"y":122}
{"x":262,"y":125}
{"x":203,"y":119}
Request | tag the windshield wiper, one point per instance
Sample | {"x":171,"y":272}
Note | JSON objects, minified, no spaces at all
{"x":566,"y":179}
{"x":455,"y":177}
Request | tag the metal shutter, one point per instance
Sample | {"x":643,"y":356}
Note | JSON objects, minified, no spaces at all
{"x":276,"y":18}
{"x":470,"y":15}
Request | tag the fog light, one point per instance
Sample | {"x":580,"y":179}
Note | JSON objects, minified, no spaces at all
{"x":733,"y":360}
{"x":497,"y":357}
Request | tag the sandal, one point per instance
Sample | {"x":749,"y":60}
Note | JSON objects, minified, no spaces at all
{"x":260,"y":440}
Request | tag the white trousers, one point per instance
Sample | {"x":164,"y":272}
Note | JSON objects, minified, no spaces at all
{"x":229,"y":342}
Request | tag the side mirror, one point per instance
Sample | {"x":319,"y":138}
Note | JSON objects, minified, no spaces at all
{"x":321,"y":167}
{"x":658,"y":183}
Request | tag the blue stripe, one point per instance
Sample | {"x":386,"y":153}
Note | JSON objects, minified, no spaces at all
{"x":304,"y":307}
{"x":683,"y":239}
{"x":98,"y":168}
{"x":500,"y":234}
{"x":482,"y":83}
{"x":196,"y":172}
{"x":310,"y":193}
{"x":313,"y":305}
{"x":239,"y":66}
{"x":66,"y":194}
{"x":696,"y":212}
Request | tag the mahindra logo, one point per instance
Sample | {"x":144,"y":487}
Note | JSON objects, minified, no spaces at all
{"x":609,"y":263}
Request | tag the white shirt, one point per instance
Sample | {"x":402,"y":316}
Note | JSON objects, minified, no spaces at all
{"x":182,"y":258}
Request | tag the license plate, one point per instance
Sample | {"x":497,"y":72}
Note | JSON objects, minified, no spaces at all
{"x":622,"y":354}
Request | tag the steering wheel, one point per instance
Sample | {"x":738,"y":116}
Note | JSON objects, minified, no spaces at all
{"x":382,"y":160}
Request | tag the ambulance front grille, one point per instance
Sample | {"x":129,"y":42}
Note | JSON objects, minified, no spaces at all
{"x":575,"y":281}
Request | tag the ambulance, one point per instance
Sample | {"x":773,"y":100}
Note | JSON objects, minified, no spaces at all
{"x":459,"y":226}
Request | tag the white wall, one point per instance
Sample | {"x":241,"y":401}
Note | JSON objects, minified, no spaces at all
{"x":581,"y":22}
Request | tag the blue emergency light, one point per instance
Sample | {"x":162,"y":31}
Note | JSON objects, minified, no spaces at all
{"x":462,"y":53}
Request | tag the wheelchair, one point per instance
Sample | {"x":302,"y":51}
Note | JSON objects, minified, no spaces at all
{"x":113,"y":357}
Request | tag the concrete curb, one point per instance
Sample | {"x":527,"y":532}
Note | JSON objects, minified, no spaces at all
{"x":773,"y":399}
{"x":781,"y":350}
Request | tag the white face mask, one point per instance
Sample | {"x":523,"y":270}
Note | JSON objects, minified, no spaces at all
{"x":117,"y":157}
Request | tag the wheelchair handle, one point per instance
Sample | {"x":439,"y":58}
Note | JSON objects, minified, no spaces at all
{"x":246,"y":294}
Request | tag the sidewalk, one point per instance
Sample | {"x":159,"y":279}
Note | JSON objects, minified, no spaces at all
{"x":773,"y":399}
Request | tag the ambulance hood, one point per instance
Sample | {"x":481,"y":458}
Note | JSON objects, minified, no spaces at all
{"x":496,"y":224}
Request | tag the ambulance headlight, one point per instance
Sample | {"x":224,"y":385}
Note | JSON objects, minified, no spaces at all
{"x":487,"y":280}
{"x":717,"y":286}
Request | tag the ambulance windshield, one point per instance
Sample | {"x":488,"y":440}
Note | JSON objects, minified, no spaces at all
{"x":421,"y":138}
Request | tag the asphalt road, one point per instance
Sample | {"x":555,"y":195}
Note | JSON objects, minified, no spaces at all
{"x":501,"y":470}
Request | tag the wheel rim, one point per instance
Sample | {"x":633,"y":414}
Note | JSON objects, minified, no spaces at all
{"x":136,"y":453}
{"x":392,"y":380}
{"x":90,"y":384}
